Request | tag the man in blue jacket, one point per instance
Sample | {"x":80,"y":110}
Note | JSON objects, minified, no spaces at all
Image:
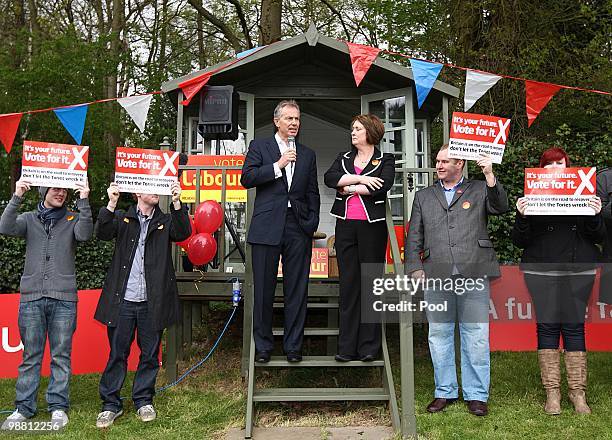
{"x":48,"y":303}
{"x":285,"y":217}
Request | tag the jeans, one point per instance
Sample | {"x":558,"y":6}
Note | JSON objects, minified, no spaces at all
{"x":472,"y":311}
{"x":133,"y":316}
{"x":55,"y":319}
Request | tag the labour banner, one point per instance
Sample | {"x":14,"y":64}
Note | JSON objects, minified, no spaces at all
{"x":146,"y":171}
{"x":319,"y":264}
{"x":211,"y":179}
{"x":473,"y":134}
{"x":54,"y":165}
{"x":559,"y":191}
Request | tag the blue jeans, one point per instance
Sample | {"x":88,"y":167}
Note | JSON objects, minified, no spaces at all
{"x":55,"y":319}
{"x":472,"y":311}
{"x":133,"y":318}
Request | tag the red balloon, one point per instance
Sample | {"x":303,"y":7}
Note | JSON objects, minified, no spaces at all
{"x":185,"y":242}
{"x":208,"y":216}
{"x":202,"y":249}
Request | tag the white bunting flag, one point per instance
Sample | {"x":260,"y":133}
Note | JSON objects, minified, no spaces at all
{"x":476,"y":85}
{"x":138,"y":108}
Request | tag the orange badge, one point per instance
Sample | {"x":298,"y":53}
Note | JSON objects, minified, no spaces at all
{"x":466,"y":205}
{"x":375,"y":162}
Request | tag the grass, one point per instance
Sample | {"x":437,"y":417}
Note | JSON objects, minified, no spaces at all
{"x":212,"y":399}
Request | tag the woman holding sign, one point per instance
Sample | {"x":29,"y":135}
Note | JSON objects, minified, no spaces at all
{"x":558,"y":262}
{"x":361,"y":177}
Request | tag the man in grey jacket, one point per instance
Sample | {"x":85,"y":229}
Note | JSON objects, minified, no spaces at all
{"x":448,"y":243}
{"x":48,"y":293}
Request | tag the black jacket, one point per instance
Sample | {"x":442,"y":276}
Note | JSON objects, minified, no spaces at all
{"x":381,"y":165}
{"x":162,"y":293}
{"x":273,"y":194}
{"x":604,"y":191}
{"x":559,"y":242}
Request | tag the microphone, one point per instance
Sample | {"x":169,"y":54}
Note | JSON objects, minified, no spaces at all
{"x":291,"y":146}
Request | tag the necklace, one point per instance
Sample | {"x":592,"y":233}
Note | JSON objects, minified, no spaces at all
{"x":363,"y":162}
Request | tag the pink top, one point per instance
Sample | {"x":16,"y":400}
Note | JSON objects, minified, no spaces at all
{"x":354,"y":206}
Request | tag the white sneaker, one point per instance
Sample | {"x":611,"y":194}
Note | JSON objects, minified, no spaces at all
{"x":146,"y":413}
{"x":106,"y":418}
{"x":59,"y":418}
{"x":11,"y":420}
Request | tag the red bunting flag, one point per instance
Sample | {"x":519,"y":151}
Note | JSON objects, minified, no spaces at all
{"x":538,"y":94}
{"x":362,"y":58}
{"x":9,"y":124}
{"x":192,"y":86}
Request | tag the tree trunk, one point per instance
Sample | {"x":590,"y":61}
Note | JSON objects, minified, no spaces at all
{"x":270,"y":22}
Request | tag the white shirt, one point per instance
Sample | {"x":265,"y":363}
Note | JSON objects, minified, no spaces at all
{"x":282,"y":145}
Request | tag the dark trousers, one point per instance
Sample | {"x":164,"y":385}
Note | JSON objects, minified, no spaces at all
{"x":358,"y":242}
{"x":560,"y":304}
{"x":133,"y":318}
{"x":296,"y":249}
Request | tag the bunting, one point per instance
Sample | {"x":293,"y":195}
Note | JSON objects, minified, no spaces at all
{"x":73,"y":120}
{"x":138,"y":108}
{"x":362,"y":58}
{"x":538,"y":94}
{"x":476,"y":85}
{"x":192,"y":86}
{"x":9,"y":124}
{"x":425,"y":75}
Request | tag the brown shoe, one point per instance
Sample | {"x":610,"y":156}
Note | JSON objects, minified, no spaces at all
{"x":438,"y":404}
{"x":477,"y":407}
{"x":550,"y":371}
{"x":576,"y":368}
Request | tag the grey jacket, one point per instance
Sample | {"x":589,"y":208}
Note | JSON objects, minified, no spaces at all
{"x":443,"y":236}
{"x":49,"y":264}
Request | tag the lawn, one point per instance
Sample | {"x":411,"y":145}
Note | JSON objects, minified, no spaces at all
{"x":212,"y":400}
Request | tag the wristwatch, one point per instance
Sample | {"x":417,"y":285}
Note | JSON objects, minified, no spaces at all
{"x":352,"y":189}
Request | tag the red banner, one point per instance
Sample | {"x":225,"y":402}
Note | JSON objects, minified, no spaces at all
{"x":512,"y":316}
{"x":89,"y":345}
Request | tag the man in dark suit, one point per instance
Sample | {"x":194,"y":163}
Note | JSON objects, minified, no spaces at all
{"x":285,"y":217}
{"x":604,"y":191}
{"x":448,"y":240}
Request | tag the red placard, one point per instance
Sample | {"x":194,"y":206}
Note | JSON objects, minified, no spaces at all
{"x":559,"y":191}
{"x":140,"y":170}
{"x":54,"y":165}
{"x":473,"y":134}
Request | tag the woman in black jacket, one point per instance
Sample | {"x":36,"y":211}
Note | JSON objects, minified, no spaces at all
{"x":361,"y":176}
{"x":559,"y":261}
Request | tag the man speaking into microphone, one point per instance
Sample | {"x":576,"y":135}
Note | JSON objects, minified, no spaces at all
{"x":285,"y":217}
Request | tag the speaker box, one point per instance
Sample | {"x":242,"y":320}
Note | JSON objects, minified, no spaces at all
{"x":219,"y":112}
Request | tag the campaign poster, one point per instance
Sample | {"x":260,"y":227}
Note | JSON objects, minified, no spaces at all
{"x":319,"y":264}
{"x":559,"y":191}
{"x":211,"y":179}
{"x":54,"y":165}
{"x":145,"y":171}
{"x":472,"y":134}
